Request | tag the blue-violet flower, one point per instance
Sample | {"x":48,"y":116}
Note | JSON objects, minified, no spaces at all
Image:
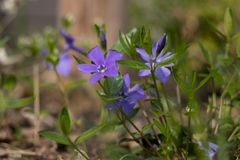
{"x":128,"y":95}
{"x":152,"y":61}
{"x":69,"y":42}
{"x":101,"y":66}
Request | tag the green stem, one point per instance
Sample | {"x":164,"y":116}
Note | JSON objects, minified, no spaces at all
{"x":158,"y":96}
{"x":78,"y":150}
{"x":136,"y":128}
{"x":36,"y":92}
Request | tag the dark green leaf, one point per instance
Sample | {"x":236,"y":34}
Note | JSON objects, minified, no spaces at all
{"x":166,"y":61}
{"x":108,"y":98}
{"x":54,"y":136}
{"x":10,"y":103}
{"x":8,"y":82}
{"x":228,"y":21}
{"x":74,"y":84}
{"x":133,"y":64}
{"x":112,"y":85}
{"x":65,"y":121}
{"x":206,"y":53}
{"x":89,"y":133}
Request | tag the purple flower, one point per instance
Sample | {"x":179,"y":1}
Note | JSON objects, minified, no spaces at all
{"x":64,"y":64}
{"x":63,"y":67}
{"x":70,"y":42}
{"x":101,"y":66}
{"x":211,"y":149}
{"x":128,"y":95}
{"x":152,"y":61}
{"x":103,"y":40}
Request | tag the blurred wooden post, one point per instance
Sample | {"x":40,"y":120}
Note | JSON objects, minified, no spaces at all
{"x":87,"y":12}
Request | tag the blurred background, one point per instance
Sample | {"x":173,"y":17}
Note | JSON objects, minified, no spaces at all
{"x":185,"y":21}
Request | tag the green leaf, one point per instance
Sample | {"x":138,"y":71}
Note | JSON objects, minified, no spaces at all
{"x":124,"y":41}
{"x":115,"y":152}
{"x":3,"y":41}
{"x":228,"y":21}
{"x":204,"y":81}
{"x":133,"y":113}
{"x":89,"y":133}
{"x":8,"y":82}
{"x":133,"y":64}
{"x":65,"y":121}
{"x":238,"y":51}
{"x":54,"y":136}
{"x":112,"y":85}
{"x":74,"y":84}
{"x":166,"y":61}
{"x":205,"y":53}
{"x":129,"y":156}
{"x":11,"y":103}
{"x":108,"y":98}
{"x":161,"y":128}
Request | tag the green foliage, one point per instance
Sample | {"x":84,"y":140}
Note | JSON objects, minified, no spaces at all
{"x":228,"y":22}
{"x":90,"y":132}
{"x":54,"y":136}
{"x":133,"y":64}
{"x":65,"y":121}
{"x":112,"y":85}
{"x":7,"y":81}
{"x":11,"y":103}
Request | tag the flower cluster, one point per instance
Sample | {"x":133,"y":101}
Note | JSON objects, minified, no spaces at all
{"x":128,"y":95}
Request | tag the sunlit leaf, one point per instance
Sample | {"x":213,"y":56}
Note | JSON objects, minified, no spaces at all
{"x":65,"y":121}
{"x":54,"y":136}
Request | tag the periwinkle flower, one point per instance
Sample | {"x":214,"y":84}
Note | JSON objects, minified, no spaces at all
{"x":152,"y":61}
{"x":63,"y":67}
{"x":70,"y":42}
{"x":64,"y":64}
{"x":101,"y":66}
{"x":128,"y":95}
{"x":211,"y":149}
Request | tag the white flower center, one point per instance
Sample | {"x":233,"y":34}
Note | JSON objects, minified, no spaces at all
{"x":102,"y":68}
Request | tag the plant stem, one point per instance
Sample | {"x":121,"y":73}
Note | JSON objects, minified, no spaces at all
{"x":149,"y":122}
{"x":125,"y":126}
{"x":158,"y":96}
{"x":62,"y":89}
{"x":136,"y":128}
{"x":78,"y":150}
{"x":36,"y":92}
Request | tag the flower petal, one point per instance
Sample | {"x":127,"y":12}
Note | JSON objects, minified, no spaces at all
{"x":113,"y":56}
{"x":158,"y":45}
{"x":111,"y":71}
{"x":95,"y":77}
{"x":87,"y":68}
{"x":134,"y":96}
{"x":126,"y":80}
{"x":126,"y":105}
{"x":143,"y":54}
{"x":162,"y":57}
{"x":64,"y":65}
{"x":144,"y":72}
{"x":96,"y":55}
{"x":68,"y":38}
{"x":163,"y":74}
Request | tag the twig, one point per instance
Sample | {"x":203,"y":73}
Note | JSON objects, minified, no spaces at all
{"x":36,"y":92}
